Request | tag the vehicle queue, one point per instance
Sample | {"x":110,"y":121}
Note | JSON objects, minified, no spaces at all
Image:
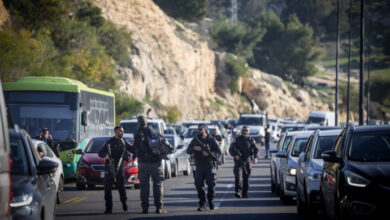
{"x":337,"y":171}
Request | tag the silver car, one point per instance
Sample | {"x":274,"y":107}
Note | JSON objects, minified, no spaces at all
{"x":309,"y":170}
{"x":282,"y":145}
{"x":288,"y":164}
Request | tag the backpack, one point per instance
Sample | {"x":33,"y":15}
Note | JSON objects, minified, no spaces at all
{"x":158,"y":145}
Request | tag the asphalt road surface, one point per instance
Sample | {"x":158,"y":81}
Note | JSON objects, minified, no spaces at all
{"x":180,"y":200}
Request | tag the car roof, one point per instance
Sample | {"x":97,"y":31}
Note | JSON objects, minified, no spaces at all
{"x":153,"y":120}
{"x":292,"y":133}
{"x":252,"y":115}
{"x":329,"y":132}
{"x":293,"y":125}
{"x":370,"y":128}
{"x":303,"y":135}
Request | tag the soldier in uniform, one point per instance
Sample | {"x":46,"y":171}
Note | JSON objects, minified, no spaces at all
{"x":205,"y":150}
{"x":115,"y":150}
{"x":243,"y":149}
{"x":149,"y":166}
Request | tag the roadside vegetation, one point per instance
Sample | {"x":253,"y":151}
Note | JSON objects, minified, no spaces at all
{"x":289,"y":37}
{"x":72,"y":40}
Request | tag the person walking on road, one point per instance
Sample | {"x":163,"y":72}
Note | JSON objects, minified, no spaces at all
{"x":267,"y":140}
{"x":149,"y":166}
{"x":205,"y":150}
{"x":244,"y":151}
{"x":115,"y":150}
{"x":48,"y":139}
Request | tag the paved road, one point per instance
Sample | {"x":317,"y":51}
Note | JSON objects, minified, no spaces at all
{"x":180,"y":200}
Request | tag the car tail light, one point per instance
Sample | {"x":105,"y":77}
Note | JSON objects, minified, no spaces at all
{"x":10,"y":184}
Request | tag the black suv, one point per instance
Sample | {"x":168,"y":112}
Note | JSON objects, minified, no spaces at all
{"x":33,"y":189}
{"x":355,"y":180}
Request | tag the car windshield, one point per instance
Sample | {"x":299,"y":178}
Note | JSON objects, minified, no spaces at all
{"x":315,"y":120}
{"x":250,"y":121}
{"x":369,"y":147}
{"x":129,"y":127}
{"x":96,"y":144}
{"x":299,"y":145}
{"x":154,"y":126}
{"x":18,"y":157}
{"x":191,"y":133}
{"x":286,"y":142}
{"x":170,"y":140}
{"x":292,"y":128}
{"x":324,"y":143}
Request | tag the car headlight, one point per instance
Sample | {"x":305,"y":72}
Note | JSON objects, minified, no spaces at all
{"x":314,"y":176}
{"x":356,"y":180}
{"x":22,"y":200}
{"x":292,"y":171}
{"x":132,"y":164}
{"x":82,"y":163}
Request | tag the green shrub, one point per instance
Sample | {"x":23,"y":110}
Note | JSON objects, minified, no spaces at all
{"x":190,"y":10}
{"x":173,"y":114}
{"x":237,"y":67}
{"x":126,"y":106}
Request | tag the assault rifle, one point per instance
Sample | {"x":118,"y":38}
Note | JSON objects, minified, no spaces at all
{"x":111,"y":163}
{"x":206,"y":148}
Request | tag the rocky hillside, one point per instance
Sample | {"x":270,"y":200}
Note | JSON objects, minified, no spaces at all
{"x":4,"y":16}
{"x":172,"y":66}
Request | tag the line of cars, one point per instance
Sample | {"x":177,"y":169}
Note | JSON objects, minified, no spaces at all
{"x":340,"y":172}
{"x":31,"y":182}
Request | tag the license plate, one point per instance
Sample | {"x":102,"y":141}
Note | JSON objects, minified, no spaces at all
{"x":101,"y":174}
{"x":290,"y":179}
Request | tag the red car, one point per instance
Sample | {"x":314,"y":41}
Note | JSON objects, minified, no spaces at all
{"x":90,"y":168}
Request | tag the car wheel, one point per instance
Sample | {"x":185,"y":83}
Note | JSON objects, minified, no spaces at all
{"x":188,"y":171}
{"x":175,"y":168}
{"x":90,"y":186}
{"x":277,"y":185}
{"x":60,"y":196}
{"x":168,"y":173}
{"x":283,"y":196}
{"x":80,"y":186}
{"x":272,"y":182}
{"x":301,"y":206}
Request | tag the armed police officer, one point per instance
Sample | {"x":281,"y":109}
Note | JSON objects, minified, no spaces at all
{"x":205,"y":150}
{"x":149,"y":166}
{"x":244,"y":151}
{"x":115,"y":150}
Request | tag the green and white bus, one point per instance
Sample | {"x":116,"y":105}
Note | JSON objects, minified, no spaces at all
{"x":71,"y":111}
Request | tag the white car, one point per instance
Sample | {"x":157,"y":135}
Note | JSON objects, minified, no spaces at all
{"x":59,"y":174}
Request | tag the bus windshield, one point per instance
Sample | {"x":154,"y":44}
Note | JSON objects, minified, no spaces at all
{"x":56,"y":111}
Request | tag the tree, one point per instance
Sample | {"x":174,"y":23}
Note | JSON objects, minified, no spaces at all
{"x":311,"y":12}
{"x":286,"y":49}
{"x":34,"y":14}
{"x":235,"y":38}
{"x":190,"y":10}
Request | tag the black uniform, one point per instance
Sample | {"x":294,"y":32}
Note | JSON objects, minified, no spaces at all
{"x":205,"y":167}
{"x":246,"y":148}
{"x":117,"y":147}
{"x":149,"y":167}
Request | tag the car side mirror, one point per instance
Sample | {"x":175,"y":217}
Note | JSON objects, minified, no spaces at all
{"x":330,"y":156}
{"x":47,"y":166}
{"x":281,"y":154}
{"x":84,"y":118}
{"x":182,"y":137}
{"x":180,"y":146}
{"x":302,"y":156}
{"x":273,"y":150}
{"x":79,"y":151}
{"x":278,"y":135}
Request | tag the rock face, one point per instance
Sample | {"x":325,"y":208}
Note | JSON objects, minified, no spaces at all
{"x":4,"y":16}
{"x":171,"y":65}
